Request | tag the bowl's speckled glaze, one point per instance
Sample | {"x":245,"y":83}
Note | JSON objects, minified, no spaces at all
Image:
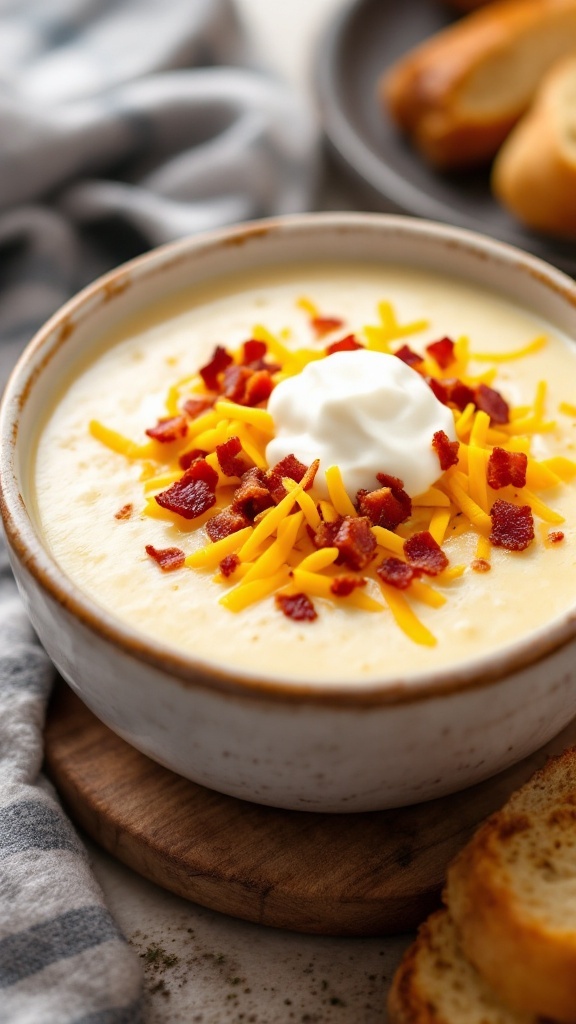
{"x":352,"y":747}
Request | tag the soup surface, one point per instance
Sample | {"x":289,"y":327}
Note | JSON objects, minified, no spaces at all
{"x":98,"y":474}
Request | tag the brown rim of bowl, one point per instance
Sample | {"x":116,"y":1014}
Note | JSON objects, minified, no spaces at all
{"x":483,"y":671}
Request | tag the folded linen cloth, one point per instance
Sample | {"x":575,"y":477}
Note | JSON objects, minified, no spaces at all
{"x":123,"y":124}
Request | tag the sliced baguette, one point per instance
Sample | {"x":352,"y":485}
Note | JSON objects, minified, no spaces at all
{"x":534,"y":175}
{"x":512,"y":894}
{"x":459,"y":93}
{"x":435,"y":984}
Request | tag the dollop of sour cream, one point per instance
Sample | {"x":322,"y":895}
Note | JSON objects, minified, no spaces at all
{"x":365,"y":412}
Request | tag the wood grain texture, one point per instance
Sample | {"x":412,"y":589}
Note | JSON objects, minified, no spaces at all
{"x":358,"y":874}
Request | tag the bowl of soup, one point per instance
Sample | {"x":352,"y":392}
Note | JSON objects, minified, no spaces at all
{"x":292,"y":506}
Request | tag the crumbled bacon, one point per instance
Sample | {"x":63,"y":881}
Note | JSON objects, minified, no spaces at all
{"x":342,"y":586}
{"x":171,"y":429}
{"x":167,"y":558}
{"x":194,"y":407}
{"x":193,"y":494}
{"x":347,"y":344}
{"x":397,"y":573}
{"x":506,"y":468}
{"x":125,"y":512}
{"x":211,"y":372}
{"x":297,"y":606}
{"x":387,"y":506}
{"x":229,"y":564}
{"x":408,"y":356}
{"x":491,"y":402}
{"x":424,"y":553}
{"x":325,"y":535}
{"x":480,"y":565}
{"x":292,"y":467}
{"x":187,"y":458}
{"x":512,"y":525}
{"x":451,"y":391}
{"x":446,"y":450}
{"x":252,"y":495}
{"x":442,"y":351}
{"x":253,"y":351}
{"x":325,"y":324}
{"x":227,"y":455}
{"x":226,"y":522}
{"x":258,"y":388}
{"x":555,"y":536}
{"x":234,"y":383}
{"x":355,"y":541}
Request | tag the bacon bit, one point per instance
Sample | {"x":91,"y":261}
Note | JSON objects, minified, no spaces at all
{"x":226,"y":522}
{"x":325,"y":324}
{"x":424,"y":553}
{"x":555,"y":536}
{"x":347,"y":344}
{"x":167,"y":430}
{"x":234,"y":383}
{"x":325,"y":535}
{"x":125,"y":512}
{"x":227,"y":455}
{"x":387,"y":506}
{"x":446,"y":450}
{"x":194,"y":407}
{"x":407,"y":355}
{"x":253,"y":351}
{"x":442,"y":351}
{"x":229,"y":564}
{"x":342,"y":586}
{"x":252,"y":495}
{"x":289,"y":466}
{"x":451,"y":391}
{"x":193,"y":494}
{"x":512,"y":525}
{"x":491,"y":402}
{"x":186,"y":460}
{"x":355,"y":541}
{"x":480,"y":565}
{"x":397,"y":573}
{"x":258,"y":388}
{"x":297,"y":606}
{"x":506,"y":468}
{"x":292,"y":467}
{"x":218,"y":363}
{"x":168,"y":559}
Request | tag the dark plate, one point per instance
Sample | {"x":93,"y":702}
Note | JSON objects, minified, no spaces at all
{"x":365,"y":39}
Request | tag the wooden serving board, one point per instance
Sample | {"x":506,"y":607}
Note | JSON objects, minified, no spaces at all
{"x":354,"y":874}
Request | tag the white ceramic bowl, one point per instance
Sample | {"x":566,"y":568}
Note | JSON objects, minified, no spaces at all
{"x":331,"y":748}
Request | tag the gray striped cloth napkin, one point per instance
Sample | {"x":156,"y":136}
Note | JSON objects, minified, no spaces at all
{"x":123,"y":124}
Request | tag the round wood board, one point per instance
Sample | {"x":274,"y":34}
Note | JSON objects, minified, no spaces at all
{"x":354,"y":874}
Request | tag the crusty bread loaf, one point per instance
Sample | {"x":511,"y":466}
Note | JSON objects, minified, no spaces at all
{"x":435,"y":984}
{"x":512,"y":894}
{"x":534,"y":175}
{"x":459,"y":93}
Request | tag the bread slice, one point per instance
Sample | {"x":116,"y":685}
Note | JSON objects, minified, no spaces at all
{"x":435,"y":984}
{"x":459,"y":94}
{"x":534,"y":175}
{"x":512,"y":894}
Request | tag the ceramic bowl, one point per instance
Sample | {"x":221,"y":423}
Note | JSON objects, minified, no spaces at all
{"x":338,"y":748}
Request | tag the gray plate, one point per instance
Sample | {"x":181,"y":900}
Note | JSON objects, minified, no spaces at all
{"x":365,"y":38}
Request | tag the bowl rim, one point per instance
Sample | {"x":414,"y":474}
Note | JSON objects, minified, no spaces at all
{"x":482,"y":671}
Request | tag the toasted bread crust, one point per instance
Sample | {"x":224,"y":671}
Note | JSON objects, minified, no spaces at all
{"x":452,"y":94}
{"x":534,"y":174}
{"x":497,"y":891}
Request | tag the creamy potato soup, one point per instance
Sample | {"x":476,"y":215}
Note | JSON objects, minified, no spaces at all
{"x":334,"y":473}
